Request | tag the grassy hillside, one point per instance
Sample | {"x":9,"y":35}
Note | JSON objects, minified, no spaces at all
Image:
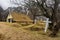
{"x":14,"y":31}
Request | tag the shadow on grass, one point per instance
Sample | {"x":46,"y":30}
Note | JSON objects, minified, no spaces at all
{"x":2,"y":37}
{"x":34,"y":29}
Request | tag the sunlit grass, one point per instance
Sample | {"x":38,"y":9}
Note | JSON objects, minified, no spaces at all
{"x":25,"y":32}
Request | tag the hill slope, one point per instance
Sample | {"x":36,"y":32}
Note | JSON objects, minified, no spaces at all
{"x":8,"y":32}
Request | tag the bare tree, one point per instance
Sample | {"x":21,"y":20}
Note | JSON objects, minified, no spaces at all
{"x":49,"y":8}
{"x":1,"y":10}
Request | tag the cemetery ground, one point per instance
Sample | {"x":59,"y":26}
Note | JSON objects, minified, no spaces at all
{"x":15,"y":31}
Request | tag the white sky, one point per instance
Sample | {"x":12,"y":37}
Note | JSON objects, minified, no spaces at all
{"x":6,"y":3}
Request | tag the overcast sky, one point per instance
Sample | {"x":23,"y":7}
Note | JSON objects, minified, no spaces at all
{"x":6,"y":3}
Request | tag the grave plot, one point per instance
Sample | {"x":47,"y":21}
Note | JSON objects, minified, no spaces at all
{"x":43,"y":22}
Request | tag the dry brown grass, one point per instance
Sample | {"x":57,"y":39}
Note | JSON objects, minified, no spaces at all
{"x":20,"y":17}
{"x":8,"y":32}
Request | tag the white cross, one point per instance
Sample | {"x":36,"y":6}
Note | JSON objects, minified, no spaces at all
{"x":47,"y":24}
{"x":27,"y":12}
{"x":35,"y":21}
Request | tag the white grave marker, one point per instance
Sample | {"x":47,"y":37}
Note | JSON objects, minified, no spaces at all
{"x":44,"y":19}
{"x":27,"y":11}
{"x":47,"y":24}
{"x":35,"y":21}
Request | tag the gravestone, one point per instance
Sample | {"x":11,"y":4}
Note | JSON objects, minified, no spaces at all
{"x":27,"y":11}
{"x":47,"y":24}
{"x":45,"y":20}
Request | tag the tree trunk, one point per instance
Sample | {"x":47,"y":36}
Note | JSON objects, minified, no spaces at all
{"x":55,"y":27}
